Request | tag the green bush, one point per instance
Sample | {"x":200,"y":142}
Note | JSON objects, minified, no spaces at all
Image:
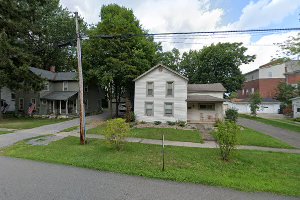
{"x":157,"y":122}
{"x":171,"y":123}
{"x":297,"y":119}
{"x":181,"y":123}
{"x":130,"y":116}
{"x":226,"y":136}
{"x":231,"y":114}
{"x":115,"y":132}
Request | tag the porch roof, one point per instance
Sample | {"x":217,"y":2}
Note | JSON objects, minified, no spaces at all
{"x":60,"y":95}
{"x":203,"y":98}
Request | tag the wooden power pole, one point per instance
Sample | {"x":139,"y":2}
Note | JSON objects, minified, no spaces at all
{"x":82,"y":114}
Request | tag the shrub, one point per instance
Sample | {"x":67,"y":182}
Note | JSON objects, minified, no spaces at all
{"x":130,"y":116}
{"x":288,"y":111}
{"x":297,"y":119}
{"x":115,"y":132}
{"x":157,"y":122}
{"x":171,"y":123}
{"x":231,"y":114}
{"x":226,"y":136}
{"x":143,"y":122}
{"x":181,"y":123}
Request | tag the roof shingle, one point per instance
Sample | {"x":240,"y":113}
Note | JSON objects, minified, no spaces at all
{"x":213,"y":87}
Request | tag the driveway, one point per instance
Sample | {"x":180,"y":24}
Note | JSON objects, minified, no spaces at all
{"x":291,"y":138}
{"x":29,"y":180}
{"x":11,"y":138}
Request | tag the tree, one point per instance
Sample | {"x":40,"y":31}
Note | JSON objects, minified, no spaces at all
{"x":115,"y":62}
{"x":171,"y":59}
{"x":291,"y":46}
{"x":285,"y":92}
{"x":217,"y":63}
{"x":255,"y":101}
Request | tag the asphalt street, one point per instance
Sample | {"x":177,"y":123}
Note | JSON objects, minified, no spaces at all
{"x":30,"y":180}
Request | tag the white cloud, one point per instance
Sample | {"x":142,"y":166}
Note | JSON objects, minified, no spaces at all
{"x":265,"y":12}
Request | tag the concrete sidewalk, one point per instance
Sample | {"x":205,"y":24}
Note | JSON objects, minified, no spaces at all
{"x":11,"y":138}
{"x":206,"y":144}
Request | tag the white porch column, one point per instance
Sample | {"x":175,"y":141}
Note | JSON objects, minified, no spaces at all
{"x":76,"y":105}
{"x":66,"y":107}
{"x":59,"y":106}
{"x":53,"y":106}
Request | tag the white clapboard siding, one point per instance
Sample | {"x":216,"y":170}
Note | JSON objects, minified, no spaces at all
{"x":160,"y":78}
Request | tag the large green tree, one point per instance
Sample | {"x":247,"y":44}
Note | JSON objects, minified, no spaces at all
{"x":115,"y":62}
{"x":217,"y":63}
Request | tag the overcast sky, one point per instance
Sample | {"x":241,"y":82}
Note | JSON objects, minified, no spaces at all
{"x":207,"y":15}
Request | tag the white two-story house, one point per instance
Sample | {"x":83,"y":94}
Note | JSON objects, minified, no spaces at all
{"x":161,"y":94}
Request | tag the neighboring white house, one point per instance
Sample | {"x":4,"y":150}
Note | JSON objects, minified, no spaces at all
{"x":162,"y":94}
{"x":268,"y":106}
{"x":7,"y":99}
{"x":296,"y":107}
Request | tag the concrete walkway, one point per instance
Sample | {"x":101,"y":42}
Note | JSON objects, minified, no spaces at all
{"x":11,"y":138}
{"x":30,"y":180}
{"x":206,"y":144}
{"x":291,"y":138}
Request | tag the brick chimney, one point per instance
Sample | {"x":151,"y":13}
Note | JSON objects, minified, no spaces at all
{"x":52,"y":69}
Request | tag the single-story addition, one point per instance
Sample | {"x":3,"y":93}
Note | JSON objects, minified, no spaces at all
{"x":59,"y":95}
{"x":162,"y":94}
{"x":296,"y":107}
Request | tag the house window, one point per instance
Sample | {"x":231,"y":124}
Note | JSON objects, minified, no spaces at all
{"x":33,"y":101}
{"x":252,"y":77}
{"x":170,"y":89}
{"x":270,"y":74}
{"x":44,"y":101}
{"x":86,"y":104}
{"x":149,"y":111}
{"x":86,"y":88}
{"x":243,"y":92}
{"x":246,"y":91}
{"x":252,"y":90}
{"x":298,"y":109}
{"x":21,"y":104}
{"x":150,"y":89}
{"x":13,"y":96}
{"x":65,"y":85}
{"x":46,"y":86}
{"x":206,"y":106}
{"x":168,"y":109}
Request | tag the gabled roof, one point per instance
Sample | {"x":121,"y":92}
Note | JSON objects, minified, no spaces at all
{"x":160,"y":65}
{"x":203,"y":98}
{"x":58,"y":76}
{"x":212,"y":87}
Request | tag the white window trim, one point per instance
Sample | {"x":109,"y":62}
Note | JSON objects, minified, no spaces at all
{"x":44,"y":101}
{"x":47,"y":86}
{"x":150,"y":102}
{"x":65,"y":83}
{"x":172,"y":89}
{"x":168,"y":115}
{"x":13,"y":99}
{"x":147,"y":87}
{"x":20,"y":103}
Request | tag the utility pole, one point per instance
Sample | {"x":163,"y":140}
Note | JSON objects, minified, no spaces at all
{"x":82,"y":121}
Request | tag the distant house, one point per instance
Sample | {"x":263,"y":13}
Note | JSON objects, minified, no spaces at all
{"x":59,"y":95}
{"x":266,"y":78}
{"x":296,"y":107}
{"x":7,"y":100}
{"x":162,"y":94}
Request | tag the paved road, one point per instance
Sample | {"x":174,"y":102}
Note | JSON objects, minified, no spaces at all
{"x":29,"y":180}
{"x":292,"y":138}
{"x":11,"y":138}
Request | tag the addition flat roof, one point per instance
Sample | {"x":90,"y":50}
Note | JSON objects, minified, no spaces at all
{"x":203,"y":98}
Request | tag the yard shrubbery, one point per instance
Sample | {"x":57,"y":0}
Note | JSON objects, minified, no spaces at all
{"x":226,"y":136}
{"x":115,"y":132}
{"x":231,"y":114}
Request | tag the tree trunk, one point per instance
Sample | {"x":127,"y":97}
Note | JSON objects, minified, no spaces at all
{"x":1,"y":116}
{"x":110,"y":101}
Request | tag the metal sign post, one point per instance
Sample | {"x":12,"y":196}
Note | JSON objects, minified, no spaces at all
{"x":163,"y":152}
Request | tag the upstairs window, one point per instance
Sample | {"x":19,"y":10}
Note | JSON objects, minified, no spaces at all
{"x":65,"y":86}
{"x":150,"y":89}
{"x":149,"y":109}
{"x":168,"y":109}
{"x":46,"y":86}
{"x":170,"y":89}
{"x":13,"y":96}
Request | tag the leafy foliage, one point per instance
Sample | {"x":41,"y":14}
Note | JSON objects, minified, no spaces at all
{"x":170,"y":123}
{"x":115,"y":132}
{"x":231,"y":114}
{"x":226,"y":136}
{"x":157,"y":122}
{"x":255,"y":101}
{"x":181,"y":123}
{"x":285,"y":93}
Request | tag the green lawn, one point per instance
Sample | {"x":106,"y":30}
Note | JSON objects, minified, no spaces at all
{"x":26,"y":123}
{"x":247,"y":171}
{"x":254,"y":138}
{"x":276,"y":123}
{"x":4,"y":132}
{"x":73,"y":128}
{"x":156,"y":133}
